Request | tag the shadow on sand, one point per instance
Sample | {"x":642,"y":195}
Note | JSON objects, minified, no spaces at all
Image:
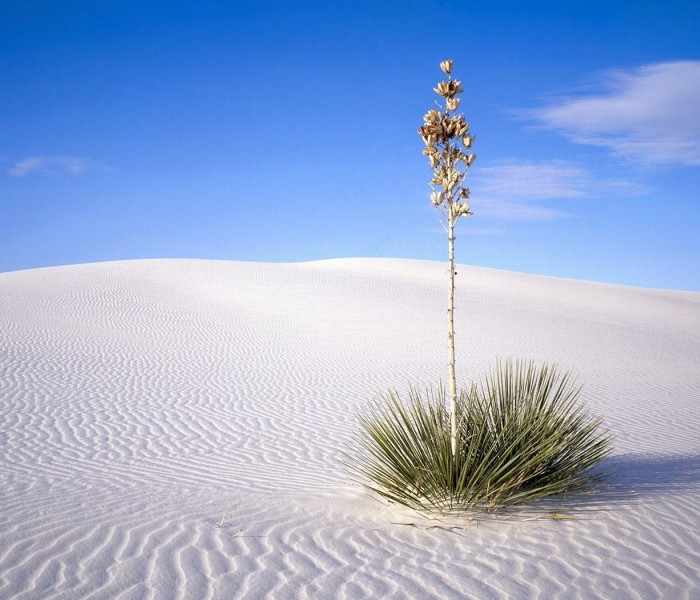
{"x":630,"y":479}
{"x":638,"y":476}
{"x":634,"y":478}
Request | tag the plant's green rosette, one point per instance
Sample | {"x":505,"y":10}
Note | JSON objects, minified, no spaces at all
{"x":522,"y":435}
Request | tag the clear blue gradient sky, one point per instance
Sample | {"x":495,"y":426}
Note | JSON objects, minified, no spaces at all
{"x":286,"y":131}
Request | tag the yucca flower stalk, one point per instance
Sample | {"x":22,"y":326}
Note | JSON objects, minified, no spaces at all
{"x":447,"y":143}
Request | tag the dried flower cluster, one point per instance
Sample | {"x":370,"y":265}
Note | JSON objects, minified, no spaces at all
{"x":446,"y":138}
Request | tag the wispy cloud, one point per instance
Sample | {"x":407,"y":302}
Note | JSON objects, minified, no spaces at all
{"x":514,"y":191}
{"x":72,"y":165}
{"x":534,"y":191}
{"x":649,"y":114}
{"x":534,"y":180}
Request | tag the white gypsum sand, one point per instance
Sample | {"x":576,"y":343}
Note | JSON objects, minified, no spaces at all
{"x":172,"y":429}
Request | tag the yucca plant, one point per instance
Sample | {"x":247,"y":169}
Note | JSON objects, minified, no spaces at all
{"x":522,"y":434}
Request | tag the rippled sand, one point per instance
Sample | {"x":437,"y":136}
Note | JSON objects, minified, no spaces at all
{"x":139,"y":399}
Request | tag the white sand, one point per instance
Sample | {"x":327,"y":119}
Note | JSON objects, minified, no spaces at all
{"x":139,"y":398}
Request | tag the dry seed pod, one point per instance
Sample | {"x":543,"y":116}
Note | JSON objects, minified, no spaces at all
{"x":446,"y":66}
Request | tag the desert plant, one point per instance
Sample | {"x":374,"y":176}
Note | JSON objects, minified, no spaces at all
{"x":446,"y":134}
{"x":522,"y":435}
{"x":519,"y":434}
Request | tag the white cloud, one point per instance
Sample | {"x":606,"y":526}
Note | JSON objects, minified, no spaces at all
{"x":72,"y":165}
{"x":529,"y":180}
{"x":498,"y":208}
{"x":649,"y":114}
{"x":514,"y":191}
{"x":534,"y":191}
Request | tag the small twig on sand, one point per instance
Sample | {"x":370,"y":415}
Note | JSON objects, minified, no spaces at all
{"x":447,"y":528}
{"x":220,"y":524}
{"x":239,"y":534}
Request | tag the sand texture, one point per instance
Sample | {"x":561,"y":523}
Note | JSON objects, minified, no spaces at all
{"x":139,"y":399}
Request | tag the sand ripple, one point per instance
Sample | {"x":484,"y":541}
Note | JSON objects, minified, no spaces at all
{"x":138,"y":399}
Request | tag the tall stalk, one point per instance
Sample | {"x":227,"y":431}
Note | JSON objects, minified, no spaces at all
{"x":451,"y":338}
{"x":445,"y":133}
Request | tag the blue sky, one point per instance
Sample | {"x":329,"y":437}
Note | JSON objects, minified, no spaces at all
{"x":286,"y":131}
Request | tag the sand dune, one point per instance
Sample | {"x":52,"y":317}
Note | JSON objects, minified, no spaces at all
{"x":139,"y":399}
